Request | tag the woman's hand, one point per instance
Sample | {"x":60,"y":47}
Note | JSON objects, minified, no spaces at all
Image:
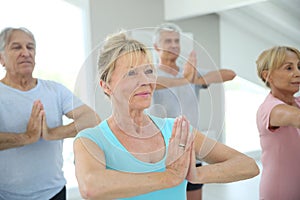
{"x":179,"y":151}
{"x":192,"y":173}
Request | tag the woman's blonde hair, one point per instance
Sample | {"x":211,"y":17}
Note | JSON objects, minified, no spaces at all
{"x":115,"y":46}
{"x":272,"y":59}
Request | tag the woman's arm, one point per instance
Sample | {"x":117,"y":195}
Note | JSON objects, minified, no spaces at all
{"x":97,"y":182}
{"x":225,"y":164}
{"x":285,"y":115}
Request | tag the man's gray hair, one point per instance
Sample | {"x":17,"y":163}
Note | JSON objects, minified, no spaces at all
{"x":7,"y":32}
{"x":165,"y":27}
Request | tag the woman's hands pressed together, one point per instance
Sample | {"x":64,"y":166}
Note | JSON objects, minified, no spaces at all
{"x":179,"y":152}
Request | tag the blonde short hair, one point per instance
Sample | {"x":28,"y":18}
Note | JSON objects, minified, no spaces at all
{"x":115,"y":46}
{"x":272,"y":59}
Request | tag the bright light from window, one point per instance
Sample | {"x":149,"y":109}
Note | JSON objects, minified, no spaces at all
{"x":242,"y":100}
{"x":58,"y":29}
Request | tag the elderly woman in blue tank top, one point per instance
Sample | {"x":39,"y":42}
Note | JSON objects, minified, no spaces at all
{"x":133,"y":155}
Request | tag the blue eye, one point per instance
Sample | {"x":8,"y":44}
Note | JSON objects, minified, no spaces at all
{"x":131,"y":73}
{"x":149,"y":71}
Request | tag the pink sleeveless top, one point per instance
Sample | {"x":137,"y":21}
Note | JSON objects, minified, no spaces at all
{"x":280,"y":179}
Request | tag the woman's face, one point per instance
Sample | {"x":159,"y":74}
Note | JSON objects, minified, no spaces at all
{"x":286,"y":79}
{"x":133,"y":81}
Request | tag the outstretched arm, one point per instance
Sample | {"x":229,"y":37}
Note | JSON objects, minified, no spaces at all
{"x":217,"y":76}
{"x":164,"y":82}
{"x":285,"y":115}
{"x":83,"y":117}
{"x":190,"y":75}
{"x":225,"y":164}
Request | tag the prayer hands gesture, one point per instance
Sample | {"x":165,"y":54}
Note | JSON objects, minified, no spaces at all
{"x":34,"y":126}
{"x":180,"y":150}
{"x":189,"y":70}
{"x":37,"y":126}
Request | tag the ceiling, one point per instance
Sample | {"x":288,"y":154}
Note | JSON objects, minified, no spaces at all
{"x":264,"y":18}
{"x":192,"y":8}
{"x":280,"y":17}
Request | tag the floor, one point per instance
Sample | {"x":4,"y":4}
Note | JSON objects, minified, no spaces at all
{"x":245,"y":190}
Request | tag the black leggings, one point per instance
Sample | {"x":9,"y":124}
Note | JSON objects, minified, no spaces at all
{"x":61,"y":195}
{"x":191,"y":186}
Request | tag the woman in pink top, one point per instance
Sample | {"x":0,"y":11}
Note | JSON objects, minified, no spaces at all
{"x":278,"y":122}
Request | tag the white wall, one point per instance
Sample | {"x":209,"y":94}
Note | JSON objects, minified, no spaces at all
{"x":245,"y":32}
{"x":106,"y":17}
{"x":240,"y":48}
{"x":109,"y":16}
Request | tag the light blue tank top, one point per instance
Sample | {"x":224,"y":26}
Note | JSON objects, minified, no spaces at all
{"x":118,"y":158}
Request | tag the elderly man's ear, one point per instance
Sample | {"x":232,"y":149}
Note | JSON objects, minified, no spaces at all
{"x":105,"y":87}
{"x":2,"y":60}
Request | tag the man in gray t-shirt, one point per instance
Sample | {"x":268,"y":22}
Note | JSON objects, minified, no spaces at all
{"x":178,"y":85}
{"x":31,"y":123}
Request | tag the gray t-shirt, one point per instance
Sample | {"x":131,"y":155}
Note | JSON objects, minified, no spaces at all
{"x":176,"y":101}
{"x":33,"y":171}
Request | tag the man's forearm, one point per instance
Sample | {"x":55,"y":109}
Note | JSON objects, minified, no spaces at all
{"x":164,"y":82}
{"x":12,"y":140}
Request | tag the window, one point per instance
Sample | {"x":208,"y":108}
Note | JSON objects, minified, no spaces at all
{"x":242,"y":99}
{"x":58,"y":27}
